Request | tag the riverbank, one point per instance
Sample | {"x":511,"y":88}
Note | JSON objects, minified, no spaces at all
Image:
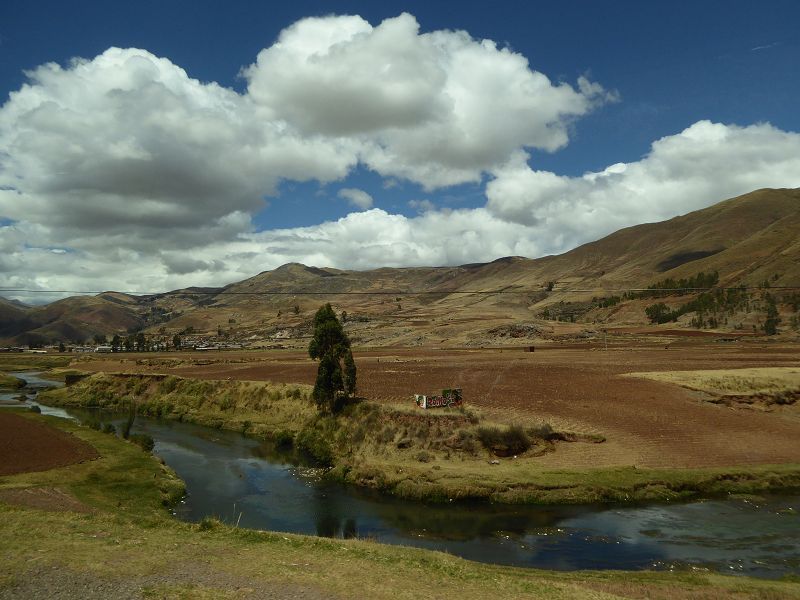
{"x":10,"y":382}
{"x":126,"y":544}
{"x":434,"y":455}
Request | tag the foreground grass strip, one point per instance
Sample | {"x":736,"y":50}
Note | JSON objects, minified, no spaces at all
{"x":131,"y":543}
{"x":32,"y":362}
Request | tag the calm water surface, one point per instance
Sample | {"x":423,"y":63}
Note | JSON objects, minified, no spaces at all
{"x":241,"y":480}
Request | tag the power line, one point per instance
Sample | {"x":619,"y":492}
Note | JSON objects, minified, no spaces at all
{"x":399,"y":292}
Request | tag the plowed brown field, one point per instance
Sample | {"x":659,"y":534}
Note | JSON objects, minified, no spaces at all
{"x":579,"y":389}
{"x":27,"y":446}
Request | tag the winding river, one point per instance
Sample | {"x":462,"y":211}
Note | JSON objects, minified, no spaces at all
{"x":242,"y":481}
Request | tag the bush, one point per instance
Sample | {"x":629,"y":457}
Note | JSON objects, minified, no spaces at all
{"x":144,"y":441}
{"x":208,"y":523}
{"x":472,"y":417}
{"x":543,"y":432}
{"x":109,"y":428}
{"x":35,"y":408}
{"x":387,"y":435}
{"x":168,"y":384}
{"x":313,"y":444}
{"x":424,"y":456}
{"x":283,"y":439}
{"x":513,"y":440}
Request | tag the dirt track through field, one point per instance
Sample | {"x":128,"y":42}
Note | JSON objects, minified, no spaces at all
{"x":27,"y":446}
{"x":646,"y":423}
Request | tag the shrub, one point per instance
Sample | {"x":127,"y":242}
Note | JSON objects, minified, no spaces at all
{"x":358,"y":434}
{"x":387,"y":434}
{"x":423,"y":456}
{"x":144,"y":441}
{"x":313,"y":444}
{"x":208,"y":523}
{"x":109,"y":428}
{"x":168,"y":384}
{"x":283,"y":439}
{"x":543,"y":431}
{"x":501,"y":442}
{"x":472,"y":417}
{"x":35,"y":408}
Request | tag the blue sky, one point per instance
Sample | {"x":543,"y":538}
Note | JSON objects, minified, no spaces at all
{"x":663,"y":67}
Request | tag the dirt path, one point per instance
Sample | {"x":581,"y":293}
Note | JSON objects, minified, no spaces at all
{"x":27,"y":445}
{"x":183,"y":580}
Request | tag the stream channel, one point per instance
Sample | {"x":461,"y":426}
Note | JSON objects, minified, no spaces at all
{"x":243,"y":481}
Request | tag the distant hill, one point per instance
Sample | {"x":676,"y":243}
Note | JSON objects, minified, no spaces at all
{"x":747,"y":240}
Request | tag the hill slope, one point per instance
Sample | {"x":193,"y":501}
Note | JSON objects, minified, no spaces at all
{"x":748,"y":240}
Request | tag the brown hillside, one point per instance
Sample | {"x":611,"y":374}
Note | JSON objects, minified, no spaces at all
{"x":747,"y":240}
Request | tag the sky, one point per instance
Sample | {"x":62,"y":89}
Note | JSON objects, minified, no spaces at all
{"x":150,"y":146}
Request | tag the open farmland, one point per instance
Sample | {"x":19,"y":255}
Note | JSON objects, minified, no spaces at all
{"x":582,"y":389}
{"x":28,"y":446}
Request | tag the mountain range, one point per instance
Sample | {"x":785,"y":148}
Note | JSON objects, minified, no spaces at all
{"x":752,"y":240}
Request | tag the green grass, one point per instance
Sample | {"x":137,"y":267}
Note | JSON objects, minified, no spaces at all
{"x":9,"y":382}
{"x":515,"y":482}
{"x":257,"y":409}
{"x":32,"y":362}
{"x":130,"y":540}
{"x":124,"y":478}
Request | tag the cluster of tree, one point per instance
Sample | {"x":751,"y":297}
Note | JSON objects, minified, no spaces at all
{"x":157,"y":314}
{"x":137,"y":342}
{"x":606,"y":302}
{"x":672,"y":287}
{"x":714,"y":303}
{"x":712,"y":307}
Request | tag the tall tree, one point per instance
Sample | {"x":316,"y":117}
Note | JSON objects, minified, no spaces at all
{"x":771,"y":323}
{"x":336,"y":374}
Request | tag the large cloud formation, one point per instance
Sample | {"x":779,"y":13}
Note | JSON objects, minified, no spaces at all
{"x":705,"y":163}
{"x":125,"y":160}
{"x":436,"y":108}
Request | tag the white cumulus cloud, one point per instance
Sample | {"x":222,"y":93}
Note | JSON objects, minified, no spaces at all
{"x":436,"y":108}
{"x":122,"y":171}
{"x":704,"y":164}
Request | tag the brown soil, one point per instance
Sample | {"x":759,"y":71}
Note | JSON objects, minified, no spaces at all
{"x":580,"y":389}
{"x":27,"y":446}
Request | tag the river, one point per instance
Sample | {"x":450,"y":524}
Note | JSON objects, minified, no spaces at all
{"x":243,"y":481}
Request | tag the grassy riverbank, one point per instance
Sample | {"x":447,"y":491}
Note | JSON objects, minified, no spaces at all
{"x":126,"y":543}
{"x":21,"y":361}
{"x":10,"y":382}
{"x":437,"y":456}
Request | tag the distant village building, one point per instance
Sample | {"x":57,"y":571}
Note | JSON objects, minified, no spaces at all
{"x":104,"y":349}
